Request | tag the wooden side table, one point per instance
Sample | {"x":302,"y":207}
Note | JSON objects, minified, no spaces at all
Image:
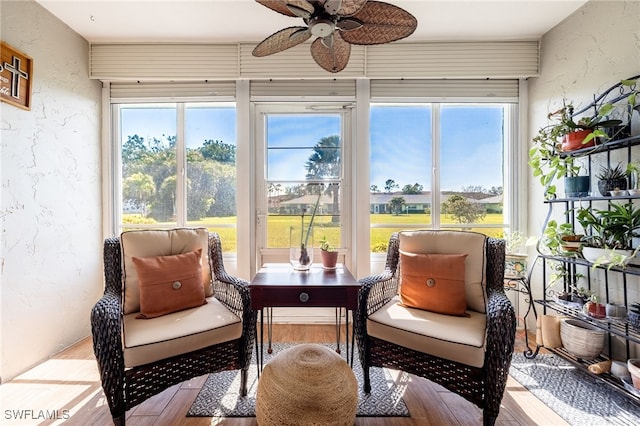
{"x":279,"y":285}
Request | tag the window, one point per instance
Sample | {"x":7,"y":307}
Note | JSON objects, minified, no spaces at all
{"x":178,"y":167}
{"x":303,"y":155}
{"x":436,"y":166}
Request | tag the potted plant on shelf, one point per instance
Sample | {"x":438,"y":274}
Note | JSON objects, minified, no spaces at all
{"x":580,"y":295}
{"x":610,"y":234}
{"x":611,"y":179}
{"x":548,"y":156}
{"x":558,"y":239}
{"x":630,"y":90}
{"x":633,"y":170}
{"x":547,"y":159}
{"x":594,"y":308}
{"x":328,"y":253}
{"x":516,"y":261}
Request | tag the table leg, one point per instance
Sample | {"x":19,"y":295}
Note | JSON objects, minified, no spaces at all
{"x":338,"y":324}
{"x":346,"y":333}
{"x":270,"y":328}
{"x":353,"y":339}
{"x":259,"y":351}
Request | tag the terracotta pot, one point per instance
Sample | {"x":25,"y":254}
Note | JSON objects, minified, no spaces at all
{"x":595,"y":310}
{"x":329,"y":258}
{"x":633,"y":365}
{"x":572,"y":141}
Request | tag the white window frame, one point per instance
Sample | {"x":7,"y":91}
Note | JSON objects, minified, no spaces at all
{"x":263,"y":109}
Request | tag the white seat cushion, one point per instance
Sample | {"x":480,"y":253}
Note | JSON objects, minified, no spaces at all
{"x":460,"y":339}
{"x":149,"y":340}
{"x":455,"y":242}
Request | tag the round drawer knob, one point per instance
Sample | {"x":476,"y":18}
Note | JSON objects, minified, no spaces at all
{"x":304,"y":297}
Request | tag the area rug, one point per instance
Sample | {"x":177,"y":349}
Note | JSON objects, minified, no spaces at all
{"x":574,"y":395}
{"x":219,"y":397}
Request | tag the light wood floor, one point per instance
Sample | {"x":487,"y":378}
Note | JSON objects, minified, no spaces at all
{"x":70,"y":381}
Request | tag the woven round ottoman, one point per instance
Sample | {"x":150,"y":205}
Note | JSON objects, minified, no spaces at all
{"x":307,"y":384}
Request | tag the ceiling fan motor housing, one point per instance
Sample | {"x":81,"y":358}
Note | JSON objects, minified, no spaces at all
{"x":321,"y":26}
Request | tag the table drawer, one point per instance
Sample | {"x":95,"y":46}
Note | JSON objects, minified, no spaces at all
{"x":311,"y":296}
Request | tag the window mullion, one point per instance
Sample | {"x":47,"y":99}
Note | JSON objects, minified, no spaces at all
{"x":181,"y":167}
{"x":435,"y":166}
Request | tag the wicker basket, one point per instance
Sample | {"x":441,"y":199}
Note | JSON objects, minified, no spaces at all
{"x":580,"y":339}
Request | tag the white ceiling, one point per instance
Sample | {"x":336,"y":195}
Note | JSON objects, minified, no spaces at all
{"x":215,"y":21}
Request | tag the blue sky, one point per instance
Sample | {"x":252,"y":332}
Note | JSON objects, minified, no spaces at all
{"x":471,"y":148}
{"x":201,"y":124}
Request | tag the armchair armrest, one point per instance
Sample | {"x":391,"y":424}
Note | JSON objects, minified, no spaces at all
{"x":376,"y":291}
{"x":106,"y":330}
{"x":501,"y":326}
{"x":233,"y":292}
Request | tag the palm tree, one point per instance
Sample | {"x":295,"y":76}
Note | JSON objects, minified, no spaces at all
{"x":325,"y":163}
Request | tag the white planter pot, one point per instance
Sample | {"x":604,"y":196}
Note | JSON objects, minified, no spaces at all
{"x":605,"y":256}
{"x":581,"y":339}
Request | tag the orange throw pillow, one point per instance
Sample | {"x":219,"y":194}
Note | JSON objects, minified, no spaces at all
{"x":433,"y":282}
{"x":169,"y":283}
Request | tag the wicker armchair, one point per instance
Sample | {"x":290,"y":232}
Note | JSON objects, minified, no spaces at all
{"x":126,"y":387}
{"x":483,"y":386}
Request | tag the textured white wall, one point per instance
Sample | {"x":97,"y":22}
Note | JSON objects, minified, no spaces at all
{"x":594,"y":48}
{"x":50,"y":214}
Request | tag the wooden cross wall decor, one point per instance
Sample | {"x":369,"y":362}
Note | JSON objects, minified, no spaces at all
{"x":16,"y":71}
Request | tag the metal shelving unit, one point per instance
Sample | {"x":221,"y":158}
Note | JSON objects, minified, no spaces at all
{"x":611,"y":277}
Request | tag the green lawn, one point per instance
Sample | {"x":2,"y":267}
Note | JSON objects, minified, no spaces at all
{"x":279,"y":227}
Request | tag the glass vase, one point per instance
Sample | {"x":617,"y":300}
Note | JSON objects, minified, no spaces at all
{"x":300,"y":248}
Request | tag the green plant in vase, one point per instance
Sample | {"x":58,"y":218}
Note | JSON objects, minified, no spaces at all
{"x":304,"y":259}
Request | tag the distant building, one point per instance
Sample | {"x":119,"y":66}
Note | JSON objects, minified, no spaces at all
{"x":380,"y":203}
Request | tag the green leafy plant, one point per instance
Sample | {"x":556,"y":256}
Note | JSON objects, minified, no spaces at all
{"x":304,"y":258}
{"x":633,"y":170}
{"x":613,"y":228}
{"x":516,"y":240}
{"x":546,"y":157}
{"x":552,"y":238}
{"x":633,"y":99}
{"x":324,"y":244}
{"x":582,"y":292}
{"x":611,"y":173}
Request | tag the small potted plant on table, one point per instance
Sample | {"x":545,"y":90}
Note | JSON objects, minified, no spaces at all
{"x":329,"y":254}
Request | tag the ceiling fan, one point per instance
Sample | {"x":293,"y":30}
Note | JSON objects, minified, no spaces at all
{"x":336,"y":24}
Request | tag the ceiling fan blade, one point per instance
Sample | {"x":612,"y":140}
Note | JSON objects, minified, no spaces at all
{"x":381,"y":23}
{"x":343,"y":7}
{"x":348,"y":24}
{"x":282,"y":6}
{"x":282,"y":40}
{"x":333,"y":59}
